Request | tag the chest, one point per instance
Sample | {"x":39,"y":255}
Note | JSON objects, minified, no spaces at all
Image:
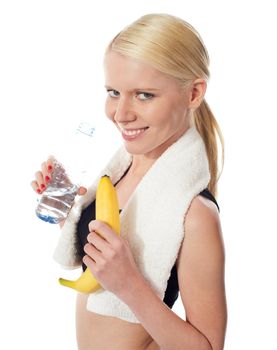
{"x":125,"y":188}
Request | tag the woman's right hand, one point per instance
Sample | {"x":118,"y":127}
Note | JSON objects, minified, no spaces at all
{"x":43,"y":177}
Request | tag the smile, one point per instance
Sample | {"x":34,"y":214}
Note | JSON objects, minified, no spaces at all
{"x":131,"y":134}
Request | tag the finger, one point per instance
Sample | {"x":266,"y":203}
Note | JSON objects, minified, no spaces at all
{"x":50,"y":163}
{"x":48,"y":168}
{"x":90,"y":263}
{"x":40,"y":180}
{"x":45,"y":174}
{"x":97,"y":241}
{"x":36,"y":187}
{"x":104,"y":230}
{"x":82,"y":190}
{"x":93,"y":253}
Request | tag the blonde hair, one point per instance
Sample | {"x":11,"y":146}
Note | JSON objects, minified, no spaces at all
{"x":175,"y":48}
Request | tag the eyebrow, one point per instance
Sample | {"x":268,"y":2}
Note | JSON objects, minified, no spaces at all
{"x":136,"y":89}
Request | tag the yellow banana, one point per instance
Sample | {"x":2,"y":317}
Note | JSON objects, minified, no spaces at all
{"x":107,"y":210}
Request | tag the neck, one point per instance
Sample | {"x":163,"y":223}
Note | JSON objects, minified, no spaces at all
{"x":140,"y":165}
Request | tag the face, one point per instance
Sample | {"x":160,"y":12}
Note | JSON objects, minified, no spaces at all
{"x":149,"y":108}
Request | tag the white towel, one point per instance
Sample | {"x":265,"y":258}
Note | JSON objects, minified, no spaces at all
{"x":152,"y":220}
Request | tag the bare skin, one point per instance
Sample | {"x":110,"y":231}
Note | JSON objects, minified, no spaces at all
{"x":103,"y":332}
{"x":151,"y":117}
{"x":43,"y":177}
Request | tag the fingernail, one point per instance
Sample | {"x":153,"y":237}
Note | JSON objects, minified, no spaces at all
{"x":50,"y":168}
{"x":47,"y":178}
{"x":42,"y":186}
{"x":38,"y":190}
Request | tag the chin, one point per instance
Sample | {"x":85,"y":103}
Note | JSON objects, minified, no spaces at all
{"x":133,"y":149}
{"x":150,"y":152}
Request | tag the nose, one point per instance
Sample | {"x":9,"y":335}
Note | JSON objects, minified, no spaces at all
{"x":124,"y":111}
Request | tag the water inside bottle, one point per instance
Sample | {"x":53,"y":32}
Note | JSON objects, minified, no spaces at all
{"x":55,"y":205}
{"x":57,"y":200}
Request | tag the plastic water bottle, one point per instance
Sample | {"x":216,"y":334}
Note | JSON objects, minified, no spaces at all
{"x":58,"y":198}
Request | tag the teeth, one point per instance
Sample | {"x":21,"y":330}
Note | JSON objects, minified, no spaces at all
{"x":132,"y":132}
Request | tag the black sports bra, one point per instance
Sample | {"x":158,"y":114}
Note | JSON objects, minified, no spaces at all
{"x":172,"y":290}
{"x":88,"y":214}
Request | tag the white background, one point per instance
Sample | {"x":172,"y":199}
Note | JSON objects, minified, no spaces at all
{"x":51,"y":75}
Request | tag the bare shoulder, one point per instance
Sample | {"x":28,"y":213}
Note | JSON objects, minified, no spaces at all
{"x":203,"y":226}
{"x":202,"y":207}
{"x":201,"y":268}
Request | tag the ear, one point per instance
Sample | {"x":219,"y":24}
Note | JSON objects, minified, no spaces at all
{"x":197,"y":93}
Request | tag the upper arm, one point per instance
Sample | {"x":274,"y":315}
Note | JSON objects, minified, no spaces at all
{"x":200,"y":267}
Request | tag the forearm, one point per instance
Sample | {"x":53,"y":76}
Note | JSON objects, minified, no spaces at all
{"x":167,"y":329}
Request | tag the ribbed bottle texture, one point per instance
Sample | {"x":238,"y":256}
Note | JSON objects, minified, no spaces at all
{"x":74,"y":154}
{"x":58,"y":198}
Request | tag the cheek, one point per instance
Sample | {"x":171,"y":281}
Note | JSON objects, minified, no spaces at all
{"x":109,"y":109}
{"x":160,"y":114}
{"x":170,"y":115}
{"x":154,"y":113}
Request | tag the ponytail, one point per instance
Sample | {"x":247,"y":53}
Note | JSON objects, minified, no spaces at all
{"x":208,"y":127}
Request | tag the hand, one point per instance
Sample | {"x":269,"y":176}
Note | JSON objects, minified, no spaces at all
{"x":110,"y":259}
{"x":43,"y":177}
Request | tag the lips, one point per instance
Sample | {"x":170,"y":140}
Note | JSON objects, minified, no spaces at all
{"x":131,"y":134}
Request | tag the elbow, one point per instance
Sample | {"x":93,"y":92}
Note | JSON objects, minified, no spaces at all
{"x":205,"y":344}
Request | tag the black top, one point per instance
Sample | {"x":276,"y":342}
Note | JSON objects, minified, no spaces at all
{"x":88,"y":214}
{"x":172,"y":290}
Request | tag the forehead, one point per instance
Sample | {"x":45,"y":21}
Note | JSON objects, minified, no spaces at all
{"x":127,"y":72}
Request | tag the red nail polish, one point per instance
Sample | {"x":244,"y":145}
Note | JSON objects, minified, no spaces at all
{"x":50,"y":168}
{"x":42,"y":186}
{"x":38,"y":190}
{"x":47,"y":178}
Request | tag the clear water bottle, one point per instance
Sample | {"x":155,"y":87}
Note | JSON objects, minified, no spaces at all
{"x":58,"y":198}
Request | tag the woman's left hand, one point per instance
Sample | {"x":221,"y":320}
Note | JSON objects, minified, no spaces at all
{"x":110,"y":259}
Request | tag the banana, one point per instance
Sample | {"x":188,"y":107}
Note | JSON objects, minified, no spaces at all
{"x":107,"y":210}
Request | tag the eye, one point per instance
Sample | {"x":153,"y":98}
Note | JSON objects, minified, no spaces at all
{"x":144,"y":96}
{"x":113,"y":93}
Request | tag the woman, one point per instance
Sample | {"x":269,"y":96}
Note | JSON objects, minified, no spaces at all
{"x":165,"y":175}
